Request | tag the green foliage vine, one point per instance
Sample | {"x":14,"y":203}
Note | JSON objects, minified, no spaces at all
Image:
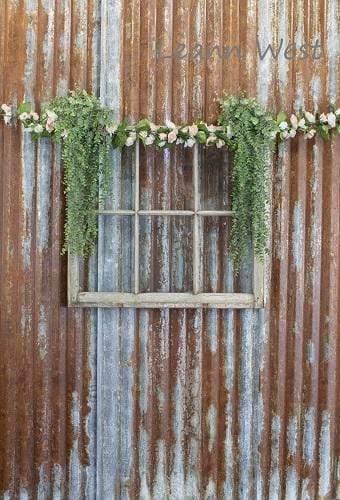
{"x":253,"y":139}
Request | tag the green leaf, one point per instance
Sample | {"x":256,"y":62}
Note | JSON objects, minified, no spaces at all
{"x":25,"y":107}
{"x":281,"y":117}
{"x":201,"y":137}
{"x":143,"y":124}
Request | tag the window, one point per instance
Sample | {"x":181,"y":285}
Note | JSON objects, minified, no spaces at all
{"x":194,"y":245}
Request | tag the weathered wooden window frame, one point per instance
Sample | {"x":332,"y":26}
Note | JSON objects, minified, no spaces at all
{"x":196,"y":299}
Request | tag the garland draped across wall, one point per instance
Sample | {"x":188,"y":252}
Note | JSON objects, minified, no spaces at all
{"x":88,"y":132}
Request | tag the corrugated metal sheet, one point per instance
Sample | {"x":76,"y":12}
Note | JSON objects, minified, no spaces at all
{"x":167,"y":404}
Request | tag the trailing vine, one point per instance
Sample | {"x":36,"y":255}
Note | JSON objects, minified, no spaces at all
{"x":253,"y":132}
{"x":88,"y":132}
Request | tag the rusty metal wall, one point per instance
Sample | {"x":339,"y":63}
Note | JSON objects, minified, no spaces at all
{"x":165,"y":404}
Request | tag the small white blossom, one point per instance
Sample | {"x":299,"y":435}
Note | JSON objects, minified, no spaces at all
{"x":52,"y":115}
{"x":153,"y":127}
{"x":162,"y":136}
{"x":323,"y":118}
{"x":302,"y":123}
{"x":211,"y":139}
{"x":172,"y":136}
{"x":8,"y":113}
{"x":64,"y":134}
{"x":143,"y":134}
{"x":337,"y":112}
{"x":170,"y":124}
{"x":35,"y":116}
{"x":331,"y":118}
{"x":230,"y":133}
{"x":292,"y":132}
{"x":285,"y":134}
{"x":24,"y":116}
{"x":294,"y":121}
{"x":180,"y":140}
{"x":193,"y":129}
{"x":50,"y":125}
{"x":212,"y":128}
{"x":38,"y":129}
{"x":131,"y":139}
{"x":283,"y":126}
{"x":310,"y":117}
{"x":149,"y":140}
{"x":220,"y":143}
{"x":111,"y":129}
{"x":161,"y":144}
{"x":189,"y":143}
{"x":310,"y":134}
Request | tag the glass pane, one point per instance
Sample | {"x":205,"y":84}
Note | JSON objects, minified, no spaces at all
{"x":123,"y":178}
{"x":116,"y":250}
{"x":214,"y":174}
{"x":217,"y":273}
{"x":166,"y":178}
{"x":165,"y":254}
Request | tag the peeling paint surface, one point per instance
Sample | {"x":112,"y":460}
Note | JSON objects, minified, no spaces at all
{"x":159,"y":404}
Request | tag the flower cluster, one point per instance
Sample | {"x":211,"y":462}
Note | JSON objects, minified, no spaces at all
{"x":168,"y":134}
{"x":308,"y":124}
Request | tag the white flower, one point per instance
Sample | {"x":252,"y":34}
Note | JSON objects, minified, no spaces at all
{"x":211,"y":139}
{"x":38,"y":129}
{"x":337,"y":112}
{"x":23,"y":116}
{"x":302,"y":123}
{"x":220,"y":143}
{"x":161,"y":144}
{"x":331,"y":118}
{"x":50,"y":125}
{"x":294,"y":121}
{"x":292,"y":132}
{"x":162,"y":136}
{"x":189,"y":143}
{"x":230,"y":133}
{"x":179,"y":140}
{"x":7,"y":119}
{"x":149,"y":140}
{"x":6,"y":109}
{"x":283,"y":126}
{"x":310,"y":117}
{"x":143,"y":134}
{"x":212,"y":128}
{"x":193,"y":129}
{"x":185,"y":130}
{"x":285,"y":134}
{"x":111,"y":129}
{"x":52,"y":115}
{"x":170,"y":124}
{"x":153,"y":127}
{"x":35,"y":116}
{"x":323,"y":118}
{"x":64,"y":134}
{"x":310,"y":134}
{"x":172,"y":136}
{"x":272,"y":134}
{"x":131,"y":139}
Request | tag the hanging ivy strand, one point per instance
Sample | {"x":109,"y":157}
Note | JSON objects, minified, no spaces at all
{"x":253,"y":132}
{"x":88,"y":132}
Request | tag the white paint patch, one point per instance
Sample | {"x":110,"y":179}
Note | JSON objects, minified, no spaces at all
{"x":291,"y":484}
{"x":311,"y":352}
{"x":274,"y":482}
{"x":75,"y":465}
{"x":308,"y":443}
{"x":333,"y":49}
{"x":325,"y":457}
{"x":42,"y":332}
{"x":210,"y":492}
{"x":161,"y":487}
{"x":298,"y":240}
{"x":43,"y":492}
{"x":292,"y":435}
{"x":57,"y":482}
{"x":212,"y":331}
{"x":23,"y":494}
{"x":211,"y":421}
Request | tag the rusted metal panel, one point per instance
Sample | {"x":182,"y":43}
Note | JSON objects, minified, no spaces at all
{"x":159,"y":403}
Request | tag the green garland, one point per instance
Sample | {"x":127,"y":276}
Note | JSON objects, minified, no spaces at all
{"x":88,"y":132}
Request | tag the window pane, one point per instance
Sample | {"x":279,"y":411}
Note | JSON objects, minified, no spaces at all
{"x":214,"y":175}
{"x":166,"y":179}
{"x":216,"y":264}
{"x":116,"y":248}
{"x":123,"y":176}
{"x":165,"y":254}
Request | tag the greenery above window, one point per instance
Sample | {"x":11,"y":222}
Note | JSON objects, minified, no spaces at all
{"x":88,"y":132}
